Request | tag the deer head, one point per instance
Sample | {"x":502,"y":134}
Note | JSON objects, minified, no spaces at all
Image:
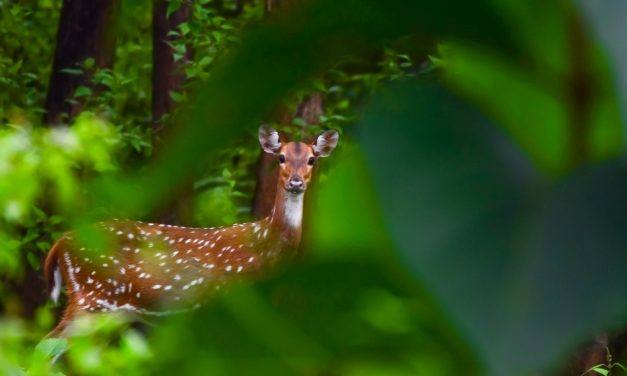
{"x":296,"y":159}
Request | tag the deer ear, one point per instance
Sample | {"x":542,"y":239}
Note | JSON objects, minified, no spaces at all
{"x":325,"y":143}
{"x":269,"y":139}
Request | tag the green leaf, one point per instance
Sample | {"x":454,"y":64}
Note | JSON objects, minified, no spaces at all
{"x":173,"y":6}
{"x":176,"y":97}
{"x":55,"y":219}
{"x":600,"y":369}
{"x":620,"y":365}
{"x":89,"y":63}
{"x":184,"y":27}
{"x":505,"y":251}
{"x":82,"y":91}
{"x":43,"y":246}
{"x":34,"y":260}
{"x":52,"y":347}
{"x":73,"y":71}
{"x":136,"y":345}
{"x":299,"y":122}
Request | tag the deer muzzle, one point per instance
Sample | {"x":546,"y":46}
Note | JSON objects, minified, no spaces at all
{"x":295,"y":184}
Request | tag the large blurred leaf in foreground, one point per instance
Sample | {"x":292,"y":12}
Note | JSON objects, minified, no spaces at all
{"x":606,"y":19}
{"x":524,"y":267}
{"x":281,"y":54}
{"x":559,"y":101}
{"x":354,"y":317}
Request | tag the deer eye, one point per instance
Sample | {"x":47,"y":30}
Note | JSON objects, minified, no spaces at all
{"x":281,"y":158}
{"x":311,"y":161}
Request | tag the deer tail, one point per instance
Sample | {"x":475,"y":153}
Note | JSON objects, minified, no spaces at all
{"x":53,"y":273}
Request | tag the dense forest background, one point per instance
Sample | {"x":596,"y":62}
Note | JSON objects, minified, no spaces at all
{"x":471,"y":222}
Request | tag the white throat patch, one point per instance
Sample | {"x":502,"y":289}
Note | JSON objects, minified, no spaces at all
{"x":294,"y":209}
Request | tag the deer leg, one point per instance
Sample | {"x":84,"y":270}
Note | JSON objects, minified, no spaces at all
{"x":61,"y":330}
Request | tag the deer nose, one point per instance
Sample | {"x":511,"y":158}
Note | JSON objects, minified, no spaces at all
{"x":295,"y":184}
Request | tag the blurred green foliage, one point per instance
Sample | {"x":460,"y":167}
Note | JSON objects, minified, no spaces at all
{"x":471,"y":222}
{"x":39,"y":163}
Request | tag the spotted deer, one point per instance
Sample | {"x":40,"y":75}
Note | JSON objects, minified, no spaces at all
{"x":155,"y":269}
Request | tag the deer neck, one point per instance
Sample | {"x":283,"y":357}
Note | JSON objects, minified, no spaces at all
{"x":286,"y":219}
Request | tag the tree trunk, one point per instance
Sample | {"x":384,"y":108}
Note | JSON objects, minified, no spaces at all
{"x":167,"y":74}
{"x":310,"y":110}
{"x":87,"y":29}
